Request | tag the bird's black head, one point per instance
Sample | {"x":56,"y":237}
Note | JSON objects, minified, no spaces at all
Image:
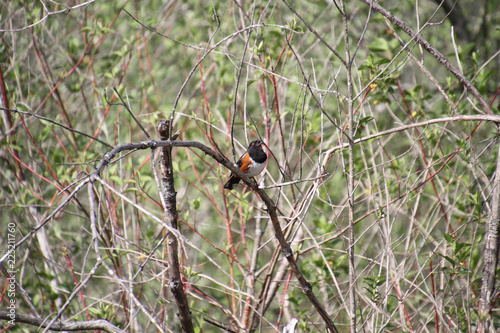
{"x":256,"y":143}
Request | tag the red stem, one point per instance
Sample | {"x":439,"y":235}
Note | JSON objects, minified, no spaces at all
{"x":431,"y":177}
{"x":434,"y":295}
{"x":76,"y":283}
{"x":404,"y":308}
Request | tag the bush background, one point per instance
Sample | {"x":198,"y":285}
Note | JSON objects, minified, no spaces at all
{"x":228,"y":73}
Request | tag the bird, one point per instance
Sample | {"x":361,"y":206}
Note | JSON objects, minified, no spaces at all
{"x":251,"y":163}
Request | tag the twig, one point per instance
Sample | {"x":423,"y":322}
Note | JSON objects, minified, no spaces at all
{"x":45,"y":221}
{"x":90,"y":325}
{"x":58,"y":124}
{"x":476,"y":117}
{"x":83,"y":284}
{"x":293,"y":182}
{"x":311,"y":29}
{"x":218,"y":325}
{"x":127,"y":107}
{"x":62,"y":11}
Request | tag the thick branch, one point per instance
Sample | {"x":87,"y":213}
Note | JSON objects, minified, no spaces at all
{"x":170,"y":215}
{"x":491,"y":253}
{"x":91,"y":325}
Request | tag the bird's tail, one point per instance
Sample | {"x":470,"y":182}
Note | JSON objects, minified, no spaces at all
{"x":232,"y":182}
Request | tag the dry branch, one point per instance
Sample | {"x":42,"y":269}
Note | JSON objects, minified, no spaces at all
{"x":36,"y":115}
{"x":477,"y":117}
{"x":90,"y":325}
{"x":350,"y":174}
{"x":491,"y":253}
{"x":170,"y":215}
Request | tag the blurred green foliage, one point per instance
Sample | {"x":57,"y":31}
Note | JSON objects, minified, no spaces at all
{"x":227,"y":73}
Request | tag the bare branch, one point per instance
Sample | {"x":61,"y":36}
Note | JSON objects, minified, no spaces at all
{"x":127,"y":107}
{"x":478,"y":117}
{"x":170,"y":215}
{"x":58,"y":124}
{"x":48,"y":14}
{"x":491,"y":252}
{"x":344,"y":61}
{"x":90,"y":325}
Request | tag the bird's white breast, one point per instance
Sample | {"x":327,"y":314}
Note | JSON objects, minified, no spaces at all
{"x":255,"y":169}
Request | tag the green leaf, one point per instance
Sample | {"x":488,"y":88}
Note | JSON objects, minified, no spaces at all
{"x":117,"y":179}
{"x":132,"y":189}
{"x":96,"y":312}
{"x":450,"y":260}
{"x":449,"y":239}
{"x":379,"y":45}
{"x":363,"y":121}
{"x":195,"y":204}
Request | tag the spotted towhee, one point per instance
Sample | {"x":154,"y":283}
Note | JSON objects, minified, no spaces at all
{"x":251,"y":163}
